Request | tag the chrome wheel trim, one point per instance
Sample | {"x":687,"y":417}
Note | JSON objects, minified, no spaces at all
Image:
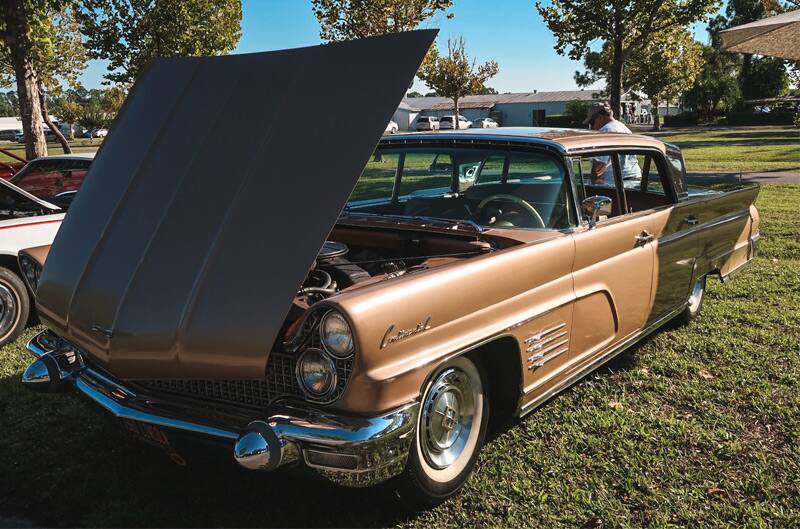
{"x":697,"y":295}
{"x":9,"y":308}
{"x":448,"y":416}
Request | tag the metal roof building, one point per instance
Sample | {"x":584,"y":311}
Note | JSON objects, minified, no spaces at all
{"x":517,"y":109}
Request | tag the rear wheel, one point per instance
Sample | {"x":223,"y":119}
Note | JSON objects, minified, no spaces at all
{"x":695,"y":303}
{"x":14,"y":306}
{"x":451,"y":428}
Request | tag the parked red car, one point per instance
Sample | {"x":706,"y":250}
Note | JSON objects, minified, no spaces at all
{"x":54,"y":179}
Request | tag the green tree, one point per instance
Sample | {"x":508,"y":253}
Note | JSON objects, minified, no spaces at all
{"x":69,"y":111}
{"x":716,"y":89}
{"x":355,"y":19}
{"x":455,"y":75}
{"x":130,"y":33}
{"x":763,"y":77}
{"x":625,"y":26}
{"x":759,"y":77}
{"x":576,"y":110}
{"x":666,"y":67}
{"x":9,"y":105}
{"x":37,"y":49}
{"x":662,"y":69}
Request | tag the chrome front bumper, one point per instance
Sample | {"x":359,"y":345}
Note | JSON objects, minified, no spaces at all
{"x":350,"y":450}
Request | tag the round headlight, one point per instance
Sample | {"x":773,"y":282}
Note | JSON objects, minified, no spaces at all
{"x":316,"y":371}
{"x":32,"y":270}
{"x":336,"y":336}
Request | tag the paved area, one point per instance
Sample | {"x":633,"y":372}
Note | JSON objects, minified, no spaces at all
{"x":766,"y":177}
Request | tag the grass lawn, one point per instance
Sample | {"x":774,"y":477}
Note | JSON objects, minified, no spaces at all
{"x":697,"y":427}
{"x":53,"y":148}
{"x":735,"y":149}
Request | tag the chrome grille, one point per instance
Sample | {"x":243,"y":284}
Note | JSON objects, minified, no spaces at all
{"x":279,"y":380}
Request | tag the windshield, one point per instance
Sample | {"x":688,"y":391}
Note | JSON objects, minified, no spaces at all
{"x":55,"y":181}
{"x":495,"y":188}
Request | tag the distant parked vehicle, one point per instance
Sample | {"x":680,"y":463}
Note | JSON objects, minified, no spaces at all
{"x":485,"y":123}
{"x":48,"y":136}
{"x":427,"y":123}
{"x":54,"y":179}
{"x":391,"y":128}
{"x":99,"y":133}
{"x":447,"y":123}
{"x":9,"y":134}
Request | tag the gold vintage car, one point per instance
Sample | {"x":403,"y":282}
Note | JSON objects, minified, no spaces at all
{"x":366,"y":338}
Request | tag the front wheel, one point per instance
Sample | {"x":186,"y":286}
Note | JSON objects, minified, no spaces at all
{"x":14,"y":306}
{"x":695,"y":302}
{"x":451,"y":428}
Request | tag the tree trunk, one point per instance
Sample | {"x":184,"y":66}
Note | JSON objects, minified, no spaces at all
{"x":615,"y":82}
{"x":46,"y":117}
{"x":20,"y":47}
{"x":455,"y":107}
{"x":656,"y":120}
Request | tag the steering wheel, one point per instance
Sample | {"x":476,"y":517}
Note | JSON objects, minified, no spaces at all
{"x":517,"y":200}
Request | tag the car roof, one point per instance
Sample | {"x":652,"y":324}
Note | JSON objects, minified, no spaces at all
{"x":564,"y":140}
{"x":74,"y":156}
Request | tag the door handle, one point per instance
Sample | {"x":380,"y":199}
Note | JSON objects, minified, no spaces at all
{"x":691,"y":220}
{"x":644,"y":237}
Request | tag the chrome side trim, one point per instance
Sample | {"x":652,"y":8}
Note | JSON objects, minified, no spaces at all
{"x":597,"y":361}
{"x":544,"y":359}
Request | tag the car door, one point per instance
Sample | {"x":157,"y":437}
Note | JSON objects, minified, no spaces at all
{"x":613,"y":268}
{"x":676,"y":235}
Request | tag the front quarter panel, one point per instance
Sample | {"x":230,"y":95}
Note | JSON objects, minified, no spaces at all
{"x":407,"y":326}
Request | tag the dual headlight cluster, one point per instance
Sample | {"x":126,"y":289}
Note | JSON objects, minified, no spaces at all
{"x":316,"y":368}
{"x":31,"y":270}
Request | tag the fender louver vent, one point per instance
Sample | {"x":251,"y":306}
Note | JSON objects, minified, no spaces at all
{"x":546,"y":345}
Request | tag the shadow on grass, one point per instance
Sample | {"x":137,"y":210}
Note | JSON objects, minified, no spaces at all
{"x":66,"y":463}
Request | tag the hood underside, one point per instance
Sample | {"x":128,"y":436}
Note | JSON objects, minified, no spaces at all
{"x":209,"y":200}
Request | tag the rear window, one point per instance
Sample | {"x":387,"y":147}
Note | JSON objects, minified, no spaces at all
{"x":447,"y":118}
{"x":46,"y":179}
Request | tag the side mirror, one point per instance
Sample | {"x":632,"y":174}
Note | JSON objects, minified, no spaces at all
{"x":596,"y":206}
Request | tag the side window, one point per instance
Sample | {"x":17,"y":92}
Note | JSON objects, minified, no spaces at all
{"x":531,"y":169}
{"x":377,"y":179}
{"x":655,"y":178}
{"x":598,"y":171}
{"x":426,"y":174}
{"x":492,"y":170}
{"x":678,"y":173}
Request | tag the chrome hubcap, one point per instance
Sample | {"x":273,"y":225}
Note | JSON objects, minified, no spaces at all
{"x":8,"y":309}
{"x":696,"y":295}
{"x":448,"y":417}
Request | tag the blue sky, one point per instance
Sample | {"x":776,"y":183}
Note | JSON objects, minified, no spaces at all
{"x":508,"y":31}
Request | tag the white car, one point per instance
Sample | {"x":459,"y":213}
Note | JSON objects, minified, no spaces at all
{"x":447,"y":123}
{"x":485,"y":123}
{"x":391,"y":128}
{"x":427,"y":123}
{"x":99,"y":133}
{"x":25,"y":222}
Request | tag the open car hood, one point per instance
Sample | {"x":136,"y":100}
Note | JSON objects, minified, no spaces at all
{"x":208,"y":202}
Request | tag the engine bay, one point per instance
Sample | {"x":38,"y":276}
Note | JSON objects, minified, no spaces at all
{"x":356,"y":256}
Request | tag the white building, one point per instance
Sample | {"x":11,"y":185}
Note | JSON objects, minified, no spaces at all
{"x":510,"y":110}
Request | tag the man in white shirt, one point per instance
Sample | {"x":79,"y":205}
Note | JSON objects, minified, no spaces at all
{"x":600,"y":117}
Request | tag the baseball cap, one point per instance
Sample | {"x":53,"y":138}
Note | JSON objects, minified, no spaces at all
{"x":595,"y":108}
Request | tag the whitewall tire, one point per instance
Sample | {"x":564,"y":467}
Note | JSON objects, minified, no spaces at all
{"x":451,"y":429}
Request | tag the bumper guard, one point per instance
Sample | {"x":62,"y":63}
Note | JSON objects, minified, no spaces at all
{"x":350,"y":450}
